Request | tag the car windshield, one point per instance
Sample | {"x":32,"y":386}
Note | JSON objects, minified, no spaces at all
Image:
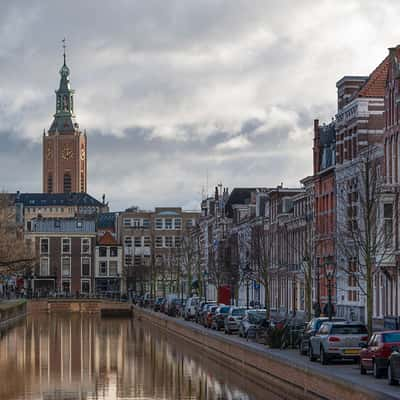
{"x":256,"y":317}
{"x":392,"y":337}
{"x":224,"y":310}
{"x":238,"y":311}
{"x":349,"y":329}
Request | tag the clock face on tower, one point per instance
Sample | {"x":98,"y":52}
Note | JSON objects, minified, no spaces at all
{"x":67,"y":153}
{"x":82,"y":154}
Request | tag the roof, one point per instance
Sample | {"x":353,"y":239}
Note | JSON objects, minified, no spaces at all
{"x":107,"y":239}
{"x":56,"y":199}
{"x":106,"y":220}
{"x":376,"y":82}
{"x":239,"y":196}
{"x":63,"y":225}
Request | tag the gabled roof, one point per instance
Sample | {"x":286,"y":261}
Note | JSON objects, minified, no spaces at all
{"x":107,"y":239}
{"x":376,"y":82}
{"x":56,"y":199}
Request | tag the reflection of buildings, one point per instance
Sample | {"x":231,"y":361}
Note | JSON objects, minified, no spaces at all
{"x":80,"y":357}
{"x":76,"y":356}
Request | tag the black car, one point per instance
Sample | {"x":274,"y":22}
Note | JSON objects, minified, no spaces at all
{"x":218,"y":319}
{"x":310,"y":330}
{"x":393,"y":371}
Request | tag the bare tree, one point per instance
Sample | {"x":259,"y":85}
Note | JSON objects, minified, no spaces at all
{"x":261,"y":260}
{"x":16,"y":254}
{"x":362,"y":236}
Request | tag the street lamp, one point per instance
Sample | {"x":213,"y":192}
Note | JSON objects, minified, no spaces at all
{"x":246,"y":272}
{"x":205,"y":278}
{"x":329,"y":273}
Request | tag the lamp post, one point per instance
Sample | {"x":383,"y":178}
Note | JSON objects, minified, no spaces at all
{"x":205,"y":278}
{"x":329,"y":273}
{"x":246,"y":272}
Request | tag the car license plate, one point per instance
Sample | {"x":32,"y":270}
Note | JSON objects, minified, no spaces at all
{"x":352,"y":351}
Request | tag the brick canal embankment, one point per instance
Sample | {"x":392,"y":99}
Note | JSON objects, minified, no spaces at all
{"x":283,"y":372}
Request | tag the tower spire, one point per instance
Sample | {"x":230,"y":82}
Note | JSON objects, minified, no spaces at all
{"x":64,"y":47}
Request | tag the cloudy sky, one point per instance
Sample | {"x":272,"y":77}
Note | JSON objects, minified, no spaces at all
{"x":171,"y":91}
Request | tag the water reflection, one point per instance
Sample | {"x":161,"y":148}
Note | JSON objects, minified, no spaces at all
{"x":79,"y":357}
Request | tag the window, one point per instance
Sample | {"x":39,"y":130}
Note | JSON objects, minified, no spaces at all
{"x":103,"y":268}
{"x":66,"y":245}
{"x":102,"y":251}
{"x":85,"y":246}
{"x":50,"y":183}
{"x":147,"y":241}
{"x":388,"y":224}
{"x":138,"y":241}
{"x":44,"y":246}
{"x":177,"y":241}
{"x":128,"y":241}
{"x":128,"y":260}
{"x":159,"y":223}
{"x":168,"y":241}
{"x":178,"y":223}
{"x":146,"y":224}
{"x":85,"y":286}
{"x":44,"y":266}
{"x":113,"y":251}
{"x":67,"y":183}
{"x":159,"y":241}
{"x":136,"y":223}
{"x":189,"y":223}
{"x":168,"y":223}
{"x":127,"y":222}
{"x":85,"y":267}
{"x":113,"y":268}
{"x":159,"y":260}
{"x":138,"y":261}
{"x":146,"y":260}
{"x":66,"y":266}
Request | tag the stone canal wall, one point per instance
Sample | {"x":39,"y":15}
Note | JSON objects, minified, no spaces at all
{"x":273,"y":371}
{"x":11,"y":311}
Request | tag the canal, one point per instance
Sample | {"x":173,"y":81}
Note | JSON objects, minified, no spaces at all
{"x":79,"y":357}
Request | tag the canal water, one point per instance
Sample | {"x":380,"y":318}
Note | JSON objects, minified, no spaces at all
{"x":81,"y":357}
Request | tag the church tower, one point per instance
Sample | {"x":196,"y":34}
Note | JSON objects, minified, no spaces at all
{"x":64,"y":145}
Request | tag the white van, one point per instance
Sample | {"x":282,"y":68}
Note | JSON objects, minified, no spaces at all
{"x":191,"y":307}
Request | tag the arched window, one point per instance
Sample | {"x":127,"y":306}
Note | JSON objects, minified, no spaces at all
{"x":50,"y":183}
{"x":67,"y":183}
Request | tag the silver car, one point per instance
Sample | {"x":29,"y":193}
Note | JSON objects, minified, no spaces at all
{"x":337,"y":340}
{"x":233,"y":318}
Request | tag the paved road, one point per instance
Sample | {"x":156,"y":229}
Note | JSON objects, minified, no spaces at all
{"x":342,"y":370}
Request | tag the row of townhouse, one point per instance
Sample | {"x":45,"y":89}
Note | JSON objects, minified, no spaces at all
{"x":308,"y":246}
{"x":81,"y":247}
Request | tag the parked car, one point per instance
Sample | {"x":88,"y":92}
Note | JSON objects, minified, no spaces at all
{"x":157,"y":303}
{"x":375,"y":355}
{"x":191,"y":307}
{"x":310,"y":330}
{"x":338,"y":340}
{"x":218,"y":318}
{"x":170,"y":303}
{"x":233,"y":318}
{"x":211,"y":312}
{"x":250,"y":321}
{"x":174,"y":308}
{"x":199,"y":309}
{"x":393,"y":369}
{"x":204,"y":312}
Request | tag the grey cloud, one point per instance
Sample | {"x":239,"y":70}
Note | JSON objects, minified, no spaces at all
{"x":163,"y":87}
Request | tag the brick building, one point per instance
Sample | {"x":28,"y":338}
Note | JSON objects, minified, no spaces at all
{"x":65,"y":249}
{"x":325,"y":210}
{"x":151,"y":243}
